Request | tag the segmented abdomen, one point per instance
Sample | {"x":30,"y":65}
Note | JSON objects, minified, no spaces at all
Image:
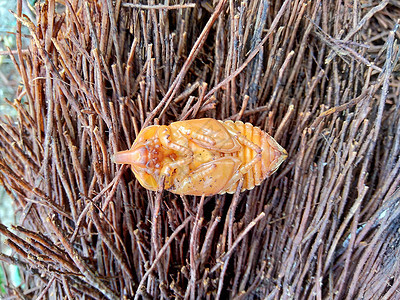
{"x":272,"y":154}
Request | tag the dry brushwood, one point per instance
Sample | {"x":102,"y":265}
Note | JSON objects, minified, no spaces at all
{"x":319,"y":76}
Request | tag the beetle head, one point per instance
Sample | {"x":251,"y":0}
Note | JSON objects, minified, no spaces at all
{"x":145,"y":156}
{"x":146,"y":159}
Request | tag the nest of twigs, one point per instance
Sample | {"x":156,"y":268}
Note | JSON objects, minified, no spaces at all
{"x":316,"y":75}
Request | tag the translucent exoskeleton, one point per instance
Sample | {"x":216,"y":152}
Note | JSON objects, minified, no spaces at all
{"x":202,"y":156}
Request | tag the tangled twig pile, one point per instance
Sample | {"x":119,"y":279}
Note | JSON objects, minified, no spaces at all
{"x":317,"y":75}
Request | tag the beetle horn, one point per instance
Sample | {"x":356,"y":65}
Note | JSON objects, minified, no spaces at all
{"x":137,"y":156}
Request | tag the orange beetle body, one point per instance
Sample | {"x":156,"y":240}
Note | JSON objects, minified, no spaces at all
{"x":202,"y":156}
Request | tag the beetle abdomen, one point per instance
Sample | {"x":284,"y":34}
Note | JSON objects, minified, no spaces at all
{"x":272,"y":154}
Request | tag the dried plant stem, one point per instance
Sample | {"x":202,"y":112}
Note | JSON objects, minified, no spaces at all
{"x":319,"y":76}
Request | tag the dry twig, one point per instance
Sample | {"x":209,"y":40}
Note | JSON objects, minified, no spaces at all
{"x":97,"y":71}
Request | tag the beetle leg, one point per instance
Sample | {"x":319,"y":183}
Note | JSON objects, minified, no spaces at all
{"x":197,"y":136}
{"x":242,"y":139}
{"x":241,"y":172}
{"x":164,"y":135}
{"x":245,"y":141}
{"x":205,"y":172}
